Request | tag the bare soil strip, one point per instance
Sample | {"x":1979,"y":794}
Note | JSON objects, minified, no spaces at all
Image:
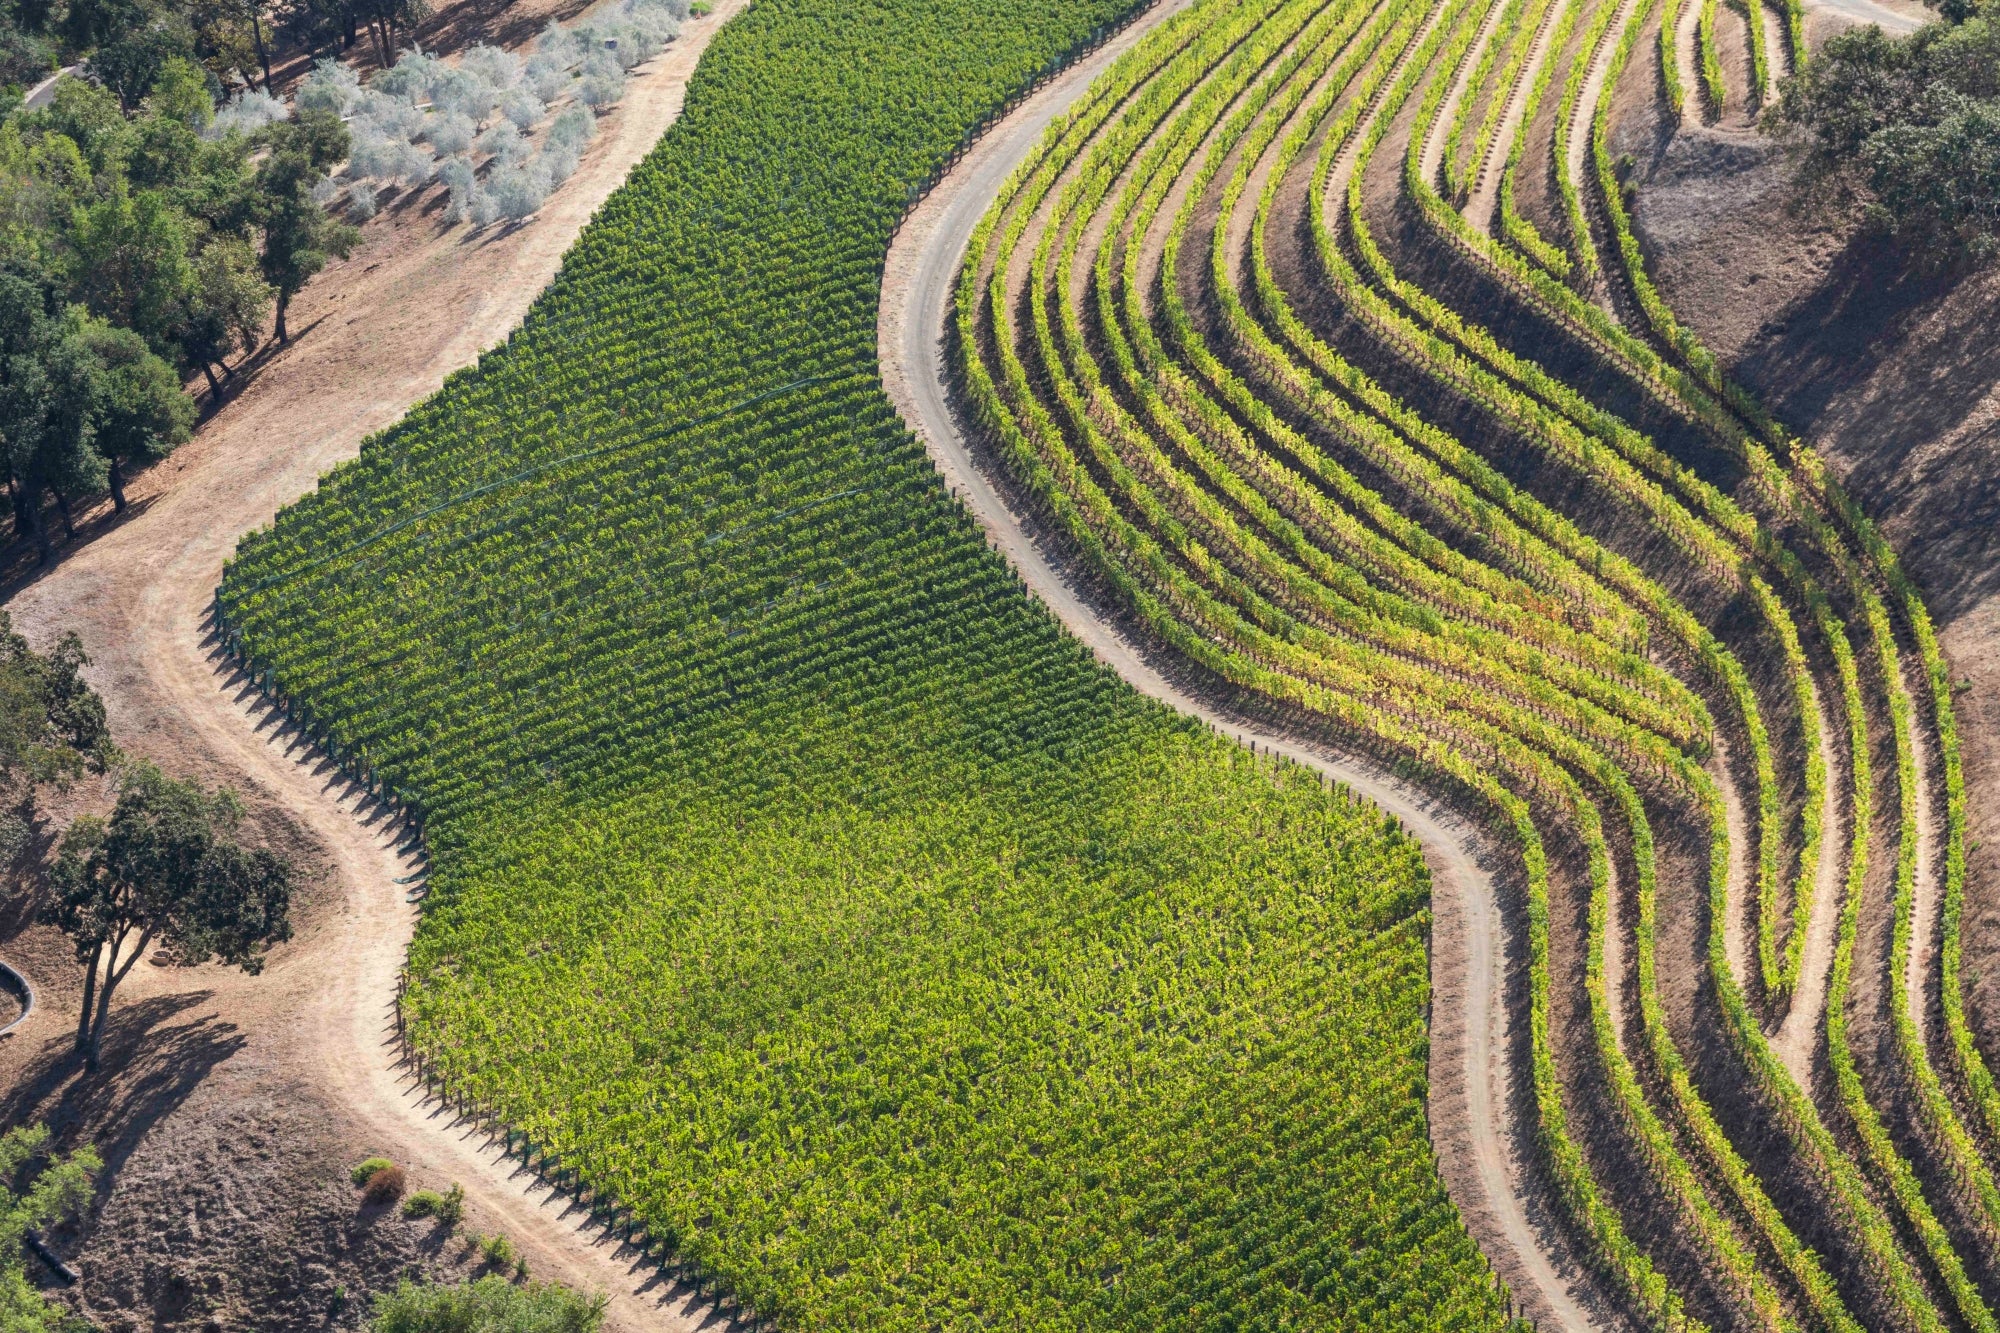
{"x":377,"y":335}
{"x":1461,"y":88}
{"x":1469,"y":1093}
{"x":1777,"y":48}
{"x":1738,"y":934}
{"x":1584,"y":114}
{"x":1687,"y":51}
{"x":1485,"y":201}
{"x":1798,"y":1036}
{"x":1927,"y":899}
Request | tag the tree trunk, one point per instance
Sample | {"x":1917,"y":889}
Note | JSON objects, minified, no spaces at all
{"x":347,"y":28}
{"x":284,"y":299}
{"x":214,"y":385}
{"x":103,"y":1005}
{"x":118,"y":485}
{"x":89,"y":992}
{"x":14,"y":494}
{"x":32,"y":498}
{"x":263,"y":56}
{"x":113,"y":974}
{"x":380,"y":31}
{"x":69,"y":520}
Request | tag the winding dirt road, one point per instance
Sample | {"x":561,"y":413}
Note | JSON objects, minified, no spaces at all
{"x":1471,"y":1067}
{"x":1892,"y":21}
{"x":378,"y":334}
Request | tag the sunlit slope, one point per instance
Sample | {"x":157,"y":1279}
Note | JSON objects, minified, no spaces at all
{"x":1320,"y":333}
{"x":794,"y":877}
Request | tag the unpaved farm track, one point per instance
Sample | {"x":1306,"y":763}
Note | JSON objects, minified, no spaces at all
{"x":377,"y":335}
{"x":1472,"y":1114}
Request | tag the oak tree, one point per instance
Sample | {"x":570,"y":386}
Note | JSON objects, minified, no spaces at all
{"x":165,"y":868}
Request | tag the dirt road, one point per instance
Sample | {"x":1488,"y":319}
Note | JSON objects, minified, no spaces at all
{"x":374,"y":336}
{"x":1470,"y":1040}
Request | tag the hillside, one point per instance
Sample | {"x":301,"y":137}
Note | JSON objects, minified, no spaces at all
{"x":793,"y":879}
{"x":1321,"y":339}
{"x":1223,"y":664}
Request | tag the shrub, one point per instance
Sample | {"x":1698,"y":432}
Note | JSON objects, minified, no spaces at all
{"x":409,"y":79}
{"x":498,"y":1251}
{"x":560,"y":45}
{"x":489,"y":1303}
{"x":331,"y":86}
{"x":391,"y":116}
{"x":603,"y":81}
{"x":500,"y":68}
{"x":523,"y":107}
{"x":573,"y":128}
{"x":385,"y":1186}
{"x":361,"y":1171}
{"x":504,"y":142}
{"x":447,"y":1208}
{"x":1909,"y":127}
{"x":415,"y":165}
{"x":546,"y":76}
{"x":450,"y":132}
{"x":518,"y":193}
{"x":458,"y":90}
{"x":247,"y":113}
{"x":559,"y":161}
{"x":372,"y":153}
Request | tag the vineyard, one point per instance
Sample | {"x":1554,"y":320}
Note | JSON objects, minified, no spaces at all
{"x":798,"y":891}
{"x":1319,"y":333}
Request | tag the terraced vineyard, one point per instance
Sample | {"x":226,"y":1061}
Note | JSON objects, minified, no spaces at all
{"x":1319,"y":333}
{"x":795,"y":883}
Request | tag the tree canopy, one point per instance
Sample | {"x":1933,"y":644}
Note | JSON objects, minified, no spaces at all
{"x":142,"y":239}
{"x":165,"y":867}
{"x":51,"y":721}
{"x":51,"y":728}
{"x":1907,"y":128}
{"x":80,"y":400}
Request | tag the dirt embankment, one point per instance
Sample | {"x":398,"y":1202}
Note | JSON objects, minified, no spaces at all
{"x":230,"y":1106}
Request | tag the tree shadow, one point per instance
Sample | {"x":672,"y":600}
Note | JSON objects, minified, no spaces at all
{"x":496,"y":22}
{"x":157,"y":1051}
{"x":20,"y":563}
